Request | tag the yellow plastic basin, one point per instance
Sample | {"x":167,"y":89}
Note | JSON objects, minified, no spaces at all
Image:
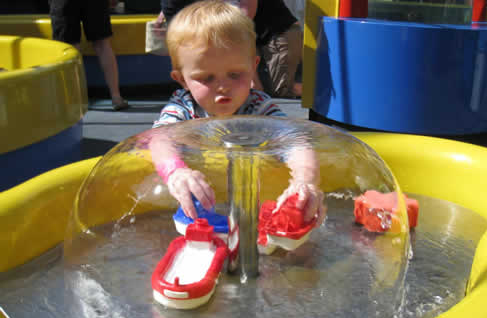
{"x":438,"y":168}
{"x":42,"y":90}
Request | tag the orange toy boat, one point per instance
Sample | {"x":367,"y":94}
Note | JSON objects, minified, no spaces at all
{"x":377,"y":211}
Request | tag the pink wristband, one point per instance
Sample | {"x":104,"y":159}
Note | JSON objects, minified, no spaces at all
{"x":166,"y":168}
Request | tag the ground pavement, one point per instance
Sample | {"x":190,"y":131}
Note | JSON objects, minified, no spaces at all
{"x":104,"y":128}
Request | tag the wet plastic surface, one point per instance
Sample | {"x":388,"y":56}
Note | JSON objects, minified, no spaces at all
{"x":309,"y":281}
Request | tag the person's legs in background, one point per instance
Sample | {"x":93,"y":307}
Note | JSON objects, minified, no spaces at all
{"x":95,"y":15}
{"x":108,"y":63}
{"x":298,"y":81}
{"x":282,"y":55}
{"x":295,"y":46}
{"x":66,"y":16}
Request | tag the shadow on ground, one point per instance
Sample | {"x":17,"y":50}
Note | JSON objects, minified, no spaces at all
{"x":95,"y":147}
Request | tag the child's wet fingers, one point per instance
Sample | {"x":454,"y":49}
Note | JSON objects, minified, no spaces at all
{"x":187,"y":205}
{"x":201,"y":190}
{"x":180,"y":188}
{"x":302,"y":198}
{"x":322,"y":209}
{"x":306,"y":195}
{"x":209,"y":193}
{"x":191,"y":212}
{"x":196,"y":189}
{"x":205,"y":200}
{"x":281,"y":199}
{"x":321,"y":215}
{"x":311,"y":208}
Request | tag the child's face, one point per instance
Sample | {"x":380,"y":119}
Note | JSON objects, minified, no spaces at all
{"x":219,"y":79}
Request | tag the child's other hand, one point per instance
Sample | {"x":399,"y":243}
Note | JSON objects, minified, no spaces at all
{"x":310,"y":200}
{"x":185,"y":181}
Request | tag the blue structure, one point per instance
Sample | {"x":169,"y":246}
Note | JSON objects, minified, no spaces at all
{"x":134,"y":70}
{"x":47,"y":154}
{"x":403,"y":77}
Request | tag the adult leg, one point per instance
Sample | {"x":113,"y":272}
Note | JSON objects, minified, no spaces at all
{"x":295,"y":39}
{"x":108,"y":63}
{"x":98,"y":30}
{"x":282,"y":55}
{"x":261,"y":80}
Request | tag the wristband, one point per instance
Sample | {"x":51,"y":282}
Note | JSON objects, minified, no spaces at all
{"x":168,"y":166}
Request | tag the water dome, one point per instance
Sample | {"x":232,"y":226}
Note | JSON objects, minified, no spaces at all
{"x":122,"y":224}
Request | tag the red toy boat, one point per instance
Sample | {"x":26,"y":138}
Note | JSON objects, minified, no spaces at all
{"x":285,"y":227}
{"x":186,"y":276}
{"x":377,"y":211}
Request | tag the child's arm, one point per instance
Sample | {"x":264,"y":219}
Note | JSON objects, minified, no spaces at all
{"x":304,"y":165}
{"x":305,"y":179}
{"x":181,"y":180}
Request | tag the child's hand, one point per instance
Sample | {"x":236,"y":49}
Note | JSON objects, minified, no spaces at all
{"x":310,"y":200}
{"x":185,"y":181}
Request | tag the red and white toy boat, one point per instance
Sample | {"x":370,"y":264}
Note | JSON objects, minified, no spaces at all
{"x":285,"y":227}
{"x":377,"y":211}
{"x":186,"y":276}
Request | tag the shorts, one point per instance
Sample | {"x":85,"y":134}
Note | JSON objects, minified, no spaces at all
{"x":66,"y":16}
{"x":282,"y":55}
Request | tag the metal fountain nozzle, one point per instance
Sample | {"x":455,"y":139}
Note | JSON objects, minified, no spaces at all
{"x":243,"y":193}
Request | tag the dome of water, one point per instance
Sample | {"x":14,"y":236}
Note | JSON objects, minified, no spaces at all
{"x":122,"y":223}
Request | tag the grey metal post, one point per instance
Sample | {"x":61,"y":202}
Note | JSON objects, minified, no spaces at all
{"x":243,"y":193}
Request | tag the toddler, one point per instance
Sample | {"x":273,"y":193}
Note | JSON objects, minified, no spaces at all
{"x":213,"y":53}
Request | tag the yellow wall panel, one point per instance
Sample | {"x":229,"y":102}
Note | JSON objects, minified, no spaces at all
{"x":314,"y":10}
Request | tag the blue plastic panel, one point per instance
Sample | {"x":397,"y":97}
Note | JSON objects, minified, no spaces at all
{"x":403,"y":77}
{"x":30,"y":161}
{"x":133,"y":70}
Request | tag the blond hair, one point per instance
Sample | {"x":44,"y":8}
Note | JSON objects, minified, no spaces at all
{"x":208,"y":23}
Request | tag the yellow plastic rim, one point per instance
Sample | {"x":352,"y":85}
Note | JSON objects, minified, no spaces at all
{"x":448,"y":170}
{"x":42,"y":92}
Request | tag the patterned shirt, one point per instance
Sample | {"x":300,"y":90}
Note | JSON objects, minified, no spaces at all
{"x":182,"y":106}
